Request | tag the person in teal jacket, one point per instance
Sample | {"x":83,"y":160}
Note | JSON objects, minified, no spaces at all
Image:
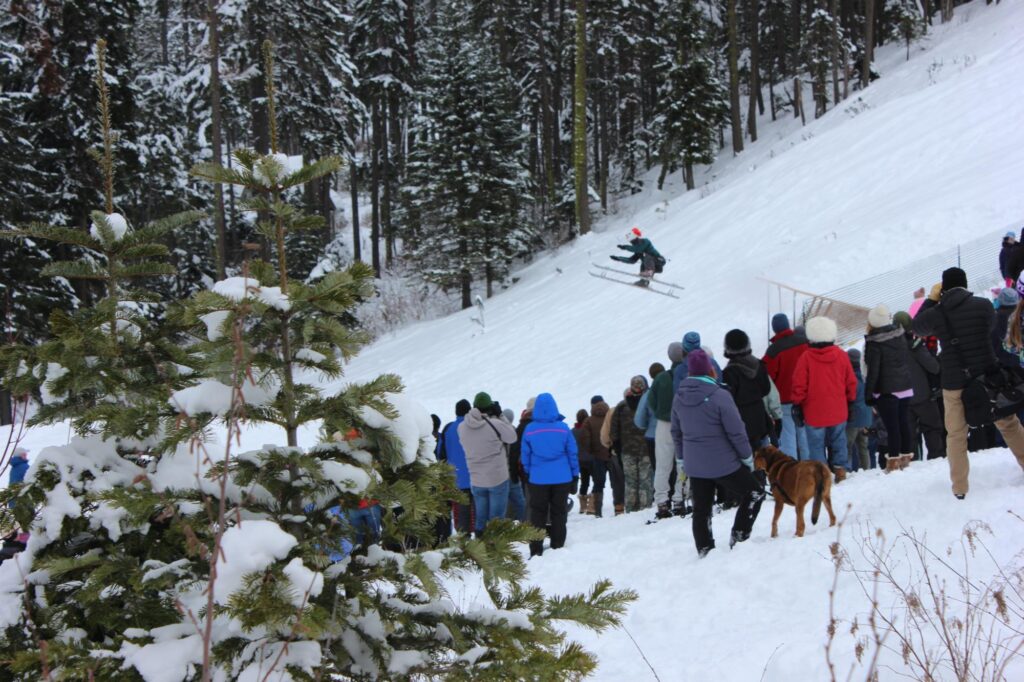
{"x":651,"y":262}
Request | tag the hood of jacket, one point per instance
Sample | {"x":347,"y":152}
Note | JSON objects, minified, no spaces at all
{"x":599,"y":410}
{"x":954,"y":297}
{"x":546,"y":410}
{"x":747,"y":364}
{"x":826,"y":355}
{"x":886,"y":333}
{"x":475,"y":419}
{"x":693,"y":391}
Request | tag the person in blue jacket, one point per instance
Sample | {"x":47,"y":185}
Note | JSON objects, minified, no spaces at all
{"x":449,"y":449}
{"x":550,"y":461}
{"x":16,"y":540}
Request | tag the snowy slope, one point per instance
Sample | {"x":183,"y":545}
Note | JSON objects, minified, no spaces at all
{"x":929,"y":155}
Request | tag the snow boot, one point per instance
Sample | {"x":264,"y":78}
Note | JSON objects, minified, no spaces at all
{"x":892,"y":464}
{"x":620,"y":509}
{"x":738,"y":536}
{"x":681,"y":509}
{"x":840,"y":474}
{"x":584,"y":501}
{"x":643,"y":283}
{"x":664,"y":511}
{"x":596,"y":500}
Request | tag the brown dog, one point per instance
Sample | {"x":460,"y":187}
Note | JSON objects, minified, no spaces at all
{"x":796,"y":483}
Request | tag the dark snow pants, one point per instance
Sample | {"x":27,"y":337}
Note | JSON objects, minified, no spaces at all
{"x":741,"y":484}
{"x":549,"y":504}
{"x":927,"y":420}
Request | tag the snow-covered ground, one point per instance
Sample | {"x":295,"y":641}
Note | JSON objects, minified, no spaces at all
{"x":926,"y":157}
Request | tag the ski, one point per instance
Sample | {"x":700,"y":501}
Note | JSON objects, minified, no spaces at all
{"x":603,"y":276}
{"x":631,"y":274}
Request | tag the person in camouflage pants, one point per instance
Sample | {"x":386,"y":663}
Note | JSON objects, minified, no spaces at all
{"x":629,"y":441}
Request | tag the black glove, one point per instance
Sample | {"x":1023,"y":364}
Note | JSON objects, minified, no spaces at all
{"x":575,"y":485}
{"x":622,"y":246}
{"x":798,"y":417}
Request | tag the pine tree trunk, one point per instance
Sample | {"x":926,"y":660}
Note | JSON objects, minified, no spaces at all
{"x":215,"y":134}
{"x":688,"y":175}
{"x":353,"y":178}
{"x":771,"y":86}
{"x":465,"y":277}
{"x":375,"y":145}
{"x":386,"y":172}
{"x":606,"y":146}
{"x":947,"y":11}
{"x":163,"y":10}
{"x":798,"y":100}
{"x":579,"y":136}
{"x":833,"y":10}
{"x":795,"y":26}
{"x":397,"y":163}
{"x":869,"y":43}
{"x":734,"y":79}
{"x":754,"y":7}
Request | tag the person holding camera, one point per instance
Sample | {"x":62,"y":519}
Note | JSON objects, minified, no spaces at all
{"x":963,"y":324}
{"x":485,"y":436}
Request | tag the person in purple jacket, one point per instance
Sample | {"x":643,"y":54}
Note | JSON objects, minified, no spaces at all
{"x":711,"y":441}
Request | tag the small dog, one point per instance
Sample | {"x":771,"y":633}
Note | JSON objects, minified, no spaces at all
{"x":796,"y":483}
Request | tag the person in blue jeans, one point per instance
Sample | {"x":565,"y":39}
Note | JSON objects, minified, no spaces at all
{"x":485,"y":437}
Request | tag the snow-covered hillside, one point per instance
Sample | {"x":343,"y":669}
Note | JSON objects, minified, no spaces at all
{"x":924,"y":158}
{"x":928,"y":156}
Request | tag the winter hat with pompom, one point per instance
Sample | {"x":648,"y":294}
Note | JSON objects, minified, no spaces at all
{"x":691,"y":342}
{"x":879,"y":316}
{"x":737,"y":344}
{"x":780,"y":323}
{"x":698,"y":364}
{"x":821,"y":330}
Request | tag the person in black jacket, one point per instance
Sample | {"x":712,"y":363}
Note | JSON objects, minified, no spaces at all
{"x":954,"y":313}
{"x":887,"y":384}
{"x":925,"y":413}
{"x":747,"y":379}
{"x":1009,"y":246}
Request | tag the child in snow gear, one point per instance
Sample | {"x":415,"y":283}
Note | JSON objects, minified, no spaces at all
{"x":632,"y":445}
{"x":590,"y":442}
{"x":925,"y":412}
{"x":449,"y":449}
{"x":651,"y":262}
{"x":585,"y":462}
{"x":823,"y":388}
{"x":711,"y":441}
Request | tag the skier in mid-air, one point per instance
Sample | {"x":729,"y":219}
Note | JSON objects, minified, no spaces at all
{"x":651,"y":262}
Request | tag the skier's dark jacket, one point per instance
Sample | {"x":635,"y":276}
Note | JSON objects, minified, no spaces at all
{"x":887,"y":359}
{"x":639,"y":247}
{"x":973,"y":318}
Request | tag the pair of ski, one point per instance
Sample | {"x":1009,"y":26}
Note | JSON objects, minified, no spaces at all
{"x":655,"y":286}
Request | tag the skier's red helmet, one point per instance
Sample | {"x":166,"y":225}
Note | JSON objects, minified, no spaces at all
{"x":635,"y":233}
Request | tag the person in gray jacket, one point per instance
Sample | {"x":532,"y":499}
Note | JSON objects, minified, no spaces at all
{"x":711,"y":441}
{"x":485,"y":436}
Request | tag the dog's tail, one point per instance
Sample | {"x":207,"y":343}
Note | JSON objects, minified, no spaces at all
{"x":821,"y":477}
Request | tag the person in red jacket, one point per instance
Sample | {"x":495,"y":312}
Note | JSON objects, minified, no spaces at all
{"x":780,"y":360}
{"x":823,"y":387}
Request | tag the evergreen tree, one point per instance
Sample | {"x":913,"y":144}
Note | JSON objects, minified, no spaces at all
{"x":694,"y":102}
{"x":467,"y":184}
{"x":907,"y":22}
{"x":817,"y":53}
{"x":251,"y":566}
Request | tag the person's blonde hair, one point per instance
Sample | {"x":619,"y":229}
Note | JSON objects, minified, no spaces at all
{"x":1014,"y":335}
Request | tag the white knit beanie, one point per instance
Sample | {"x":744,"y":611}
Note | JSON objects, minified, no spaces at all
{"x":821,"y":330}
{"x":879,"y":316}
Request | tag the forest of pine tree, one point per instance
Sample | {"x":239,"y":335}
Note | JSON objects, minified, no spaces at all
{"x":473,"y":132}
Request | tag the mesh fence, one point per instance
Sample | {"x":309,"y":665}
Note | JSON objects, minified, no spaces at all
{"x":849,"y":305}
